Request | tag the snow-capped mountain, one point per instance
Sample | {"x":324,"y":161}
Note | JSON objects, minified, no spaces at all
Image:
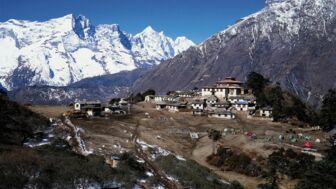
{"x":64,"y":50}
{"x":292,"y":42}
{"x":151,"y":47}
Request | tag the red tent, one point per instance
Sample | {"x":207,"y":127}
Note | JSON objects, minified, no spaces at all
{"x":308,"y":144}
{"x":249,"y":134}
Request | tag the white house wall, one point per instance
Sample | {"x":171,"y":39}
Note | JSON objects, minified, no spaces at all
{"x":197,"y":106}
{"x":77,"y":106}
{"x":221,"y":93}
{"x":222,"y":116}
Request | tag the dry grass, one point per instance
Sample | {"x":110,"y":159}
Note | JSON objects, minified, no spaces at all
{"x":49,"y":111}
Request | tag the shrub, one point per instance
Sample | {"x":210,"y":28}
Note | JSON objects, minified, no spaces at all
{"x":322,"y":174}
{"x":328,"y":111}
{"x":285,"y":105}
{"x":189,"y":173}
{"x":240,"y":163}
{"x":114,"y":101}
{"x":149,"y":92}
{"x":256,"y":82}
{"x":290,"y":163}
{"x":55,"y":167}
{"x":236,"y":185}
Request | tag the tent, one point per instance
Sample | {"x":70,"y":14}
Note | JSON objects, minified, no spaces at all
{"x":308,"y":144}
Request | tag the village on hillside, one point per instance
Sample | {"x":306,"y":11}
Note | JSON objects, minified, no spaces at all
{"x":221,"y":100}
{"x":225,"y":99}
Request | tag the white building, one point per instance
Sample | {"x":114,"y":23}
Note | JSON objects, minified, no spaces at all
{"x":85,"y":105}
{"x":176,"y":107}
{"x":197,"y":105}
{"x":225,"y":105}
{"x":164,"y":98}
{"x":149,"y":98}
{"x":186,"y":94}
{"x":222,"y":114}
{"x":159,"y":98}
{"x":248,"y":98}
{"x":241,"y":105}
{"x":161,"y":105}
{"x":91,"y":108}
{"x":171,"y":106}
{"x":229,"y":87}
{"x":266,"y":112}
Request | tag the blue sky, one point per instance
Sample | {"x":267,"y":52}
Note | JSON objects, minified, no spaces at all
{"x":195,"y":19}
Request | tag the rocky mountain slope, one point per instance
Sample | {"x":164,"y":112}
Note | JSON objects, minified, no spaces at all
{"x":64,"y":50}
{"x":292,"y":42}
{"x":102,"y":88}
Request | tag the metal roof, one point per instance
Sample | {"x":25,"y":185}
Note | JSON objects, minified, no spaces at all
{"x":230,"y":80}
{"x":222,"y":112}
{"x":88,"y":102}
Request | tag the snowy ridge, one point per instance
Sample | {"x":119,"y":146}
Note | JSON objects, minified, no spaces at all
{"x":155,"y":46}
{"x":64,"y":50}
{"x":289,"y":15}
{"x":286,"y":17}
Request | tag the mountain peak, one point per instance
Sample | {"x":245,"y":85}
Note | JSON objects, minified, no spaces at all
{"x":82,"y":19}
{"x":184,"y":40}
{"x":182,"y":43}
{"x":81,"y":25}
{"x":68,"y":17}
{"x":181,"y":38}
{"x":112,"y":27}
{"x":149,"y":29}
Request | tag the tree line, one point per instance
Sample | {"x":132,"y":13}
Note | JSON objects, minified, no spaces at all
{"x":286,"y":105}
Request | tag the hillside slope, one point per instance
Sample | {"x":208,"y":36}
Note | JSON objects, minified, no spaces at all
{"x":17,"y":122}
{"x":55,"y":165}
{"x":292,"y":42}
